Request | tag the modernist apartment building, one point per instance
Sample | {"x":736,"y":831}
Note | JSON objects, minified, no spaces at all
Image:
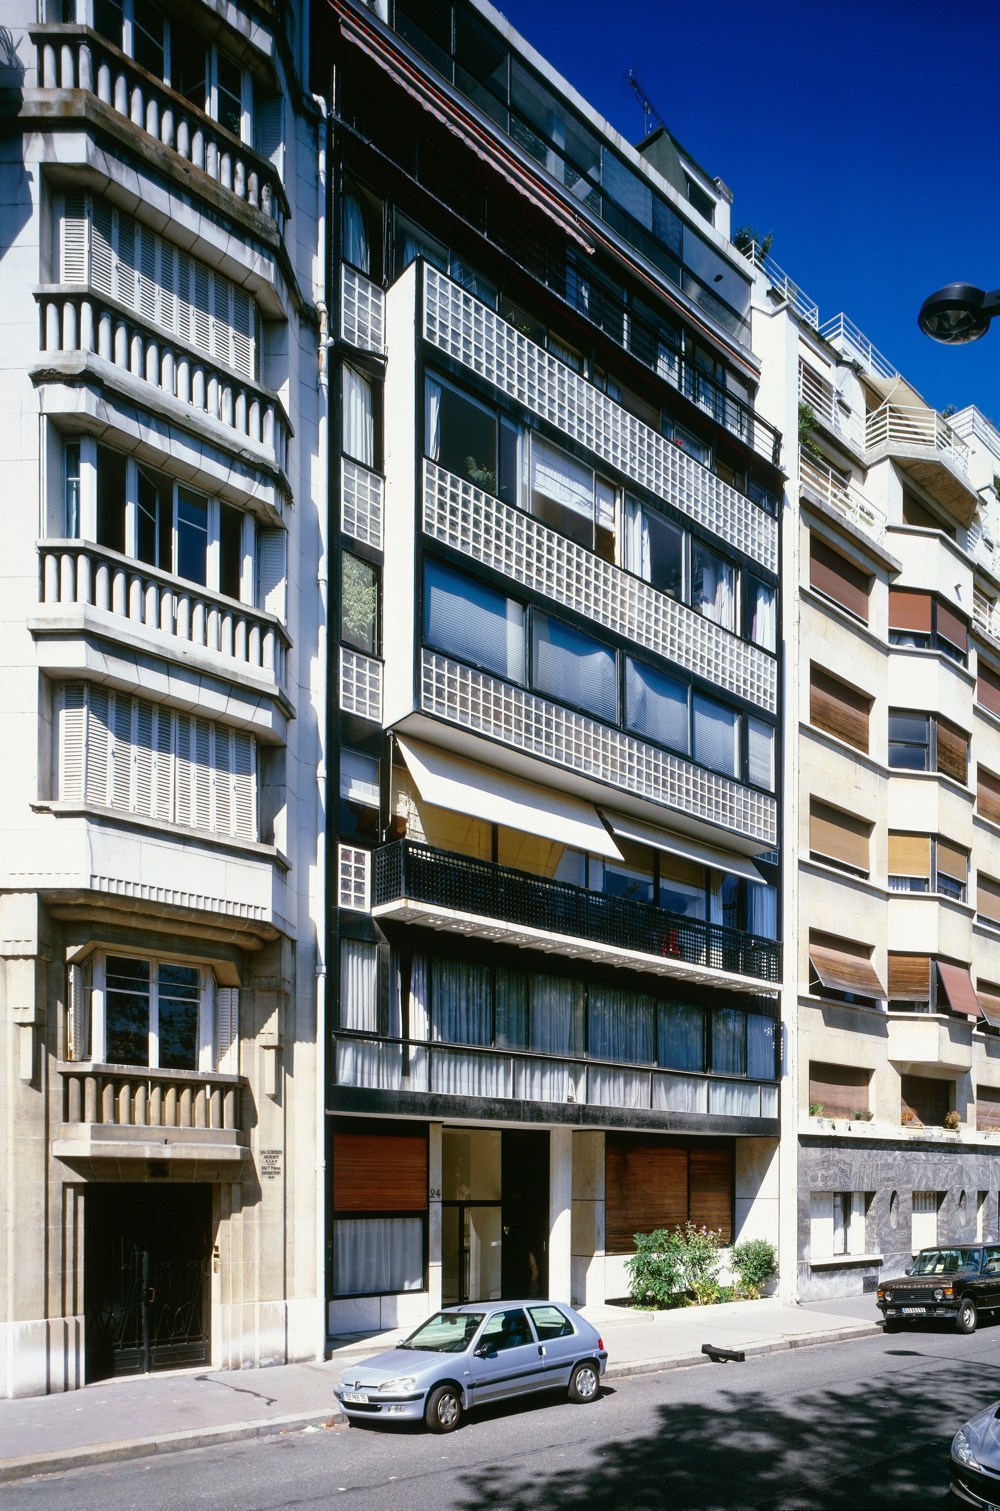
{"x":892,"y":723}
{"x":554,"y":966}
{"x":161,"y":690}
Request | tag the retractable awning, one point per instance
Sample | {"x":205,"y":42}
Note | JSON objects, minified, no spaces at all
{"x":450,"y":781}
{"x":845,"y":967}
{"x":638,"y":833}
{"x":959,"y":990}
{"x":989,"y":1002}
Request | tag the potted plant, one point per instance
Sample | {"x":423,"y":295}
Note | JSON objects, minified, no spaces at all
{"x":952,"y":1120}
{"x":815,"y":1109}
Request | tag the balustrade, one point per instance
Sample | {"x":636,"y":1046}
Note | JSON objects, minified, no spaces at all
{"x":140,"y":1098}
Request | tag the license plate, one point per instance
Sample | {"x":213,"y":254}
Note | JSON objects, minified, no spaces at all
{"x":913,"y":1311}
{"x":355,"y":1397}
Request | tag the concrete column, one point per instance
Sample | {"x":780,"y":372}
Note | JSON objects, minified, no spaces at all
{"x":757,"y":1189}
{"x":560,"y":1213}
{"x":588,"y":1218}
{"x":434,"y":1217}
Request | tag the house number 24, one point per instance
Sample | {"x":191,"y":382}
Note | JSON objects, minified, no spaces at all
{"x":435,"y":1193}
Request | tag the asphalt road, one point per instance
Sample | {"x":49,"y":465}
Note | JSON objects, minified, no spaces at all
{"x":850,"y":1425}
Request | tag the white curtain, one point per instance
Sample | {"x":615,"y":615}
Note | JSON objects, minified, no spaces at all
{"x":762,"y":910}
{"x":729,"y":1035}
{"x":769,"y":1101}
{"x":681,"y":1036}
{"x":620,"y":1025}
{"x":432,"y":416}
{"x":512,"y":1008}
{"x":734,"y":1099}
{"x":558,"y":476}
{"x":367,"y":1062}
{"x":376,"y":1254}
{"x":556,"y":1014}
{"x":356,"y":249}
{"x":358,"y":418}
{"x":462,"y":1074}
{"x":461,"y":1005}
{"x":764,"y":617}
{"x":760,"y":1046}
{"x":617,"y":1088}
{"x":419,"y":1017}
{"x":544,"y":1081}
{"x":714,"y":587}
{"x":359,"y":986}
{"x":679,"y":1094}
{"x":638,"y":556}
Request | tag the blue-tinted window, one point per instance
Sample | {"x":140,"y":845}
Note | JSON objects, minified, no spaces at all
{"x":656,"y":706}
{"x":716,"y":735}
{"x":574,"y":668}
{"x":474,"y":622}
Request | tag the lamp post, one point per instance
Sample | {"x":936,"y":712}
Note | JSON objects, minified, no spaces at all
{"x":958,"y":313}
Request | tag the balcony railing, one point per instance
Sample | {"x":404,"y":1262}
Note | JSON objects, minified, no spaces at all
{"x":482,"y":889}
{"x":807,"y":309}
{"x":133,"y":1097}
{"x":825,"y":403}
{"x":911,"y":427}
{"x":74,"y":57}
{"x":74,"y":572}
{"x":986,"y":614}
{"x":845,"y":337}
{"x":456,"y":1070}
{"x":818,"y":478}
{"x":362,"y":311}
{"x":72,"y":321}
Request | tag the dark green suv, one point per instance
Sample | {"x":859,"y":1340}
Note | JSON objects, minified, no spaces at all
{"x":958,"y":1283}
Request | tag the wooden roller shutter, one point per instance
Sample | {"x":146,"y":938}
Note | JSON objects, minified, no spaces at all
{"x":838,"y":708}
{"x":988,"y":795}
{"x":375,"y":1172}
{"x":839,"y":579}
{"x":988,"y":897}
{"x":955,"y":987}
{"x":843,"y":965}
{"x":841,"y":1090}
{"x":952,"y":752}
{"x":909,"y":978}
{"x":929,"y":1100}
{"x":647,"y":1188}
{"x":838,"y":836}
{"x":910,"y":611}
{"x":953,"y":627}
{"x":711,"y":1189}
{"x":952,"y":861}
{"x":988,"y":993}
{"x":988,"y":1108}
{"x":910,"y":855}
{"x":988,"y":687}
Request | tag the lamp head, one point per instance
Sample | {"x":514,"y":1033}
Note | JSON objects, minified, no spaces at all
{"x":958,"y":313}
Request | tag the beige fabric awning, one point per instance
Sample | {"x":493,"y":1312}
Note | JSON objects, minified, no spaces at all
{"x":450,"y":781}
{"x":637,"y":833}
{"x":843,"y":966}
{"x":959,"y":990}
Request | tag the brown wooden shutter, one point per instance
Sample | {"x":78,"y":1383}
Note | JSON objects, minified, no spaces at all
{"x":988,"y":897}
{"x":929,"y":1100}
{"x":952,"y":861}
{"x":839,"y":836}
{"x":956,"y":988}
{"x":711,"y":1188}
{"x":647,"y":1188}
{"x":843,"y":965}
{"x":838,"y":708}
{"x":910,"y":855}
{"x":988,"y":795}
{"x":909,"y":978}
{"x":952,"y":626}
{"x":841,"y":1090}
{"x":374,"y":1172}
{"x":987,"y":1108}
{"x":910,"y":611}
{"x":988,"y":687}
{"x":988,"y":993}
{"x":952,"y":752}
{"x":838,"y":578}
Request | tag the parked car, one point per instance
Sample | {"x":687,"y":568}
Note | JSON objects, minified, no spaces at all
{"x":974,"y":1461}
{"x":959,"y":1283}
{"x":467,"y":1355}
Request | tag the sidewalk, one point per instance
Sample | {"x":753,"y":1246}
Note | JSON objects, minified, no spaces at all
{"x":133,"y":1418}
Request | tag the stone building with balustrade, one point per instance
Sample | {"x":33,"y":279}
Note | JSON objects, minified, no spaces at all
{"x":162,"y":689}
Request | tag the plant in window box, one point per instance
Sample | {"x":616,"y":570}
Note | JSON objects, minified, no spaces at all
{"x":953,"y":1120}
{"x":864,"y":1115}
{"x":480,"y":476}
{"x":815,"y":1109}
{"x":908,"y":1118}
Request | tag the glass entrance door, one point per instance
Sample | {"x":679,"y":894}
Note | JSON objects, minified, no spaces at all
{"x":471,"y":1250}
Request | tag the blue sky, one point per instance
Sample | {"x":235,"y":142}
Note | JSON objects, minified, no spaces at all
{"x":863,"y":133}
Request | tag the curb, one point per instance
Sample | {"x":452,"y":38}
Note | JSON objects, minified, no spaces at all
{"x":170,"y":1442}
{"x":752,"y":1351}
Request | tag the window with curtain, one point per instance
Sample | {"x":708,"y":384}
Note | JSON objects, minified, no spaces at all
{"x":713,"y":586}
{"x":729,"y":1041}
{"x":574,"y":668}
{"x":562,"y":491}
{"x":761,"y":1046}
{"x":654,"y":548}
{"x":681,"y":1036}
{"x":760,"y":754}
{"x":556,"y":1015}
{"x":359,"y":986}
{"x":413,"y":241}
{"x":461,"y":1002}
{"x":467,"y":619}
{"x":357,"y":247}
{"x":460,"y":434}
{"x":682,"y":886}
{"x":511,"y":1008}
{"x":378,"y":1254}
{"x":762,"y":910}
{"x":657,"y":706}
{"x":620,"y":1025}
{"x":762,"y":608}
{"x":716,"y":735}
{"x":632,"y":882}
{"x":358,"y":437}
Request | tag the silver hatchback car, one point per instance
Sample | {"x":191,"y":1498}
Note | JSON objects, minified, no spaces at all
{"x":465,"y":1356}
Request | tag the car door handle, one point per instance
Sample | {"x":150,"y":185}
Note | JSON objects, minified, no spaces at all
{"x":541,"y":1350}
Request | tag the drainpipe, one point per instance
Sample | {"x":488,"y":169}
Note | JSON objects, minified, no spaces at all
{"x":321,"y":492}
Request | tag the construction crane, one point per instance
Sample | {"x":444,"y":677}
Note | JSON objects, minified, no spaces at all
{"x":649,"y":110}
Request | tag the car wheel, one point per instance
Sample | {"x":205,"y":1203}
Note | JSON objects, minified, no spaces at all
{"x":966,"y":1317}
{"x":893,"y":1326}
{"x":585,"y":1383}
{"x":444,"y":1409}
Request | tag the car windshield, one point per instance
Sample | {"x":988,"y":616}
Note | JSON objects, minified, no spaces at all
{"x":945,"y":1261}
{"x":445,"y":1332}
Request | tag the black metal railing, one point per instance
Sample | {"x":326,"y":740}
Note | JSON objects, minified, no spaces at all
{"x":437,"y":877}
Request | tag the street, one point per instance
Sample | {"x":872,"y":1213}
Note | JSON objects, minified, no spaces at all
{"x":858,"y":1424}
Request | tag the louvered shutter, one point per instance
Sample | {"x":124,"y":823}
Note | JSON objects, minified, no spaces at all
{"x":184,"y":296}
{"x":952,"y":752}
{"x":125,"y":259}
{"x":122,"y":752}
{"x":168,"y":303}
{"x":77,"y":1016}
{"x":201,"y":323}
{"x":269,"y":131}
{"x":221,"y":334}
{"x":146,"y":246}
{"x":839,"y":709}
{"x":144,"y":759}
{"x":55,"y":481}
{"x":244,"y":785}
{"x":73,"y":241}
{"x":988,"y":795}
{"x":72,"y":742}
{"x":201,"y":774}
{"x":244,"y":346}
{"x":102,"y":257}
{"x":98,"y":746}
{"x":227,"y":1030}
{"x":271,"y":572}
{"x":183,"y":769}
{"x":223,"y":782}
{"x":164,"y":764}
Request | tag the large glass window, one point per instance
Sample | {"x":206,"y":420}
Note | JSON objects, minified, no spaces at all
{"x":358,"y":418}
{"x":656,"y":706}
{"x":760,"y":754}
{"x":909,"y":741}
{"x":761,"y":1046}
{"x":461,"y":434}
{"x":229,"y":94}
{"x":147,"y":37}
{"x":681,"y":1036}
{"x":359,"y":604}
{"x":713,"y":586}
{"x":716,"y":735}
{"x":654,"y":548}
{"x":461,"y":1002}
{"x":177,"y":999}
{"x":762,"y":613}
{"x":151,"y":1013}
{"x":373,"y":1255}
{"x":192,"y":536}
{"x":357,"y":246}
{"x":155,"y":520}
{"x":474,"y":622}
{"x":682,"y":887}
{"x":562,"y":491}
{"x":574,"y":668}
{"x":729,"y":1041}
{"x":126,"y":1011}
{"x":111,"y":473}
{"x":620,"y":1026}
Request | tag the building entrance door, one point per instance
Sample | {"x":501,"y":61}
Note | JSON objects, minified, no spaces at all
{"x":146,"y":1258}
{"x":494,"y":1214}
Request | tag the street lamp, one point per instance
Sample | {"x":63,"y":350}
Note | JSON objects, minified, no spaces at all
{"x":958,"y":313}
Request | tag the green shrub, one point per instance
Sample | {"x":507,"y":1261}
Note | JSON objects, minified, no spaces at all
{"x":669,"y":1264}
{"x":754,"y":1261}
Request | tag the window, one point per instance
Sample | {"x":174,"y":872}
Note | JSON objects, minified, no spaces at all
{"x":988,"y":794}
{"x":681,"y":1036}
{"x":921,"y":621}
{"x":461,"y":434}
{"x":760,"y":754}
{"x":359,"y":986}
{"x":909,"y":862}
{"x":162,"y":1014}
{"x":192,"y":536}
{"x":550,"y":1322}
{"x":380,"y":1212}
{"x":909,"y":742}
{"x":657,"y":706}
{"x":713,"y":586}
{"x":655,"y":548}
{"x":651,"y":1184}
{"x":839,"y":1091}
{"x":988,"y":900}
{"x":359,"y":792}
{"x":835,"y":577}
{"x":72,"y":482}
{"x":838,"y":838}
{"x":111,"y":499}
{"x":951,"y":868}
{"x":567,"y":495}
{"x":358,"y":437}
{"x":987,"y":686}
{"x":952,"y":751}
{"x":988,"y":1109}
{"x":716,"y":735}
{"x":838,"y":709}
{"x":909,"y":982}
{"x":359,"y":604}
{"x":762,"y":614}
{"x":842,"y":969}
{"x":353,"y":867}
{"x":836,"y":1223}
{"x":574,"y":668}
{"x":356,"y":244}
{"x":926,"y":1099}
{"x":467,"y":619}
